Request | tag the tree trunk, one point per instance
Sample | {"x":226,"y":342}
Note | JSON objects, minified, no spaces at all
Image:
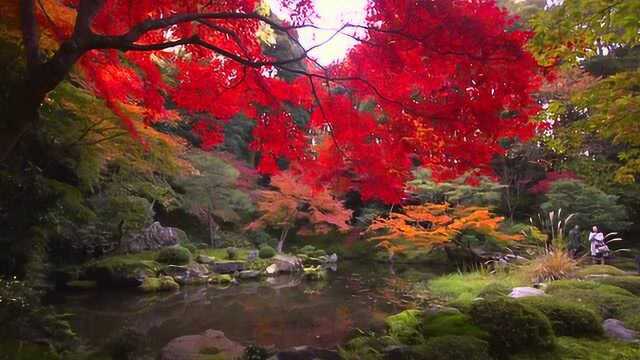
{"x":283,"y":237}
{"x":19,"y":115}
{"x":212,"y":228}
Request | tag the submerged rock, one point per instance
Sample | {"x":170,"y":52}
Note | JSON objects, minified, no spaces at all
{"x":249,"y":274}
{"x":615,"y":329}
{"x":520,"y":292}
{"x":153,"y":237}
{"x":306,"y":353}
{"x":210,"y":344}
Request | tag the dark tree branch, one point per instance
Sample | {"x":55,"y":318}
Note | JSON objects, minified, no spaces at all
{"x":30,"y":34}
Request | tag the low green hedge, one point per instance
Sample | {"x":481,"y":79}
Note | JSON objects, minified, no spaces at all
{"x":174,"y":256}
{"x":266,"y":252}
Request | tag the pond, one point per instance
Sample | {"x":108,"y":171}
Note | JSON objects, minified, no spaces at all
{"x":279,"y":312}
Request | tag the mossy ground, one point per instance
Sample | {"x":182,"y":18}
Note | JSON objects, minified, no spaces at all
{"x":569,"y":318}
{"x":462,"y":288}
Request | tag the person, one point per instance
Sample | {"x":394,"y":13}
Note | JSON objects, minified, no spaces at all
{"x":599,"y":249}
{"x":574,"y":241}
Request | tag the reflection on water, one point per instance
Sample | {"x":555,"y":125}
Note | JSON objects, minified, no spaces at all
{"x":283,"y":312}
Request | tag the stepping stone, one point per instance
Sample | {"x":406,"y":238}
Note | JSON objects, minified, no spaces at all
{"x":615,"y":329}
{"x":520,"y":292}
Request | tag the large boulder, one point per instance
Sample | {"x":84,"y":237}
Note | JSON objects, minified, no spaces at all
{"x":190,"y":274}
{"x":210,"y":344}
{"x":285,"y":264}
{"x":153,"y":237}
{"x":120,"y":272}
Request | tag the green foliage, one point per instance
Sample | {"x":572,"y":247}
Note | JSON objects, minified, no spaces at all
{"x":591,"y":205}
{"x":214,"y":189}
{"x":17,"y":301}
{"x":513,"y":327}
{"x":454,"y":347}
{"x":405,"y":326}
{"x":175,"y":255}
{"x":261,"y":237}
{"x":266,"y":252}
{"x":312,"y":251}
{"x":615,"y":101}
{"x":24,"y":318}
{"x":456,"y":192}
{"x":567,"y":318}
{"x":577,"y":29}
{"x":366,"y":346}
{"x":135,"y":212}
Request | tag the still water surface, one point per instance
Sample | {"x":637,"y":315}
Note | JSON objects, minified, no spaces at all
{"x":281,"y":312}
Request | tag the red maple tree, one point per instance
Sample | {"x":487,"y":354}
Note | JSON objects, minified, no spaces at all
{"x":435,"y":82}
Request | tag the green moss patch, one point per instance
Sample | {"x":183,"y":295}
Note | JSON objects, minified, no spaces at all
{"x":163,"y":283}
{"x":453,"y":347}
{"x":120,"y":271}
{"x":177,"y":255}
{"x":405,"y":326}
{"x":630,"y":283}
{"x":567,"y":318}
{"x":512,"y":326}
{"x":606,"y":300}
{"x":599,"y":270}
{"x":462,"y":288}
{"x":451,"y":324}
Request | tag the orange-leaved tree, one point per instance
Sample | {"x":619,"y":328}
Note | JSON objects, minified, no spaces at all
{"x":292,"y":204}
{"x":431,"y":225}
